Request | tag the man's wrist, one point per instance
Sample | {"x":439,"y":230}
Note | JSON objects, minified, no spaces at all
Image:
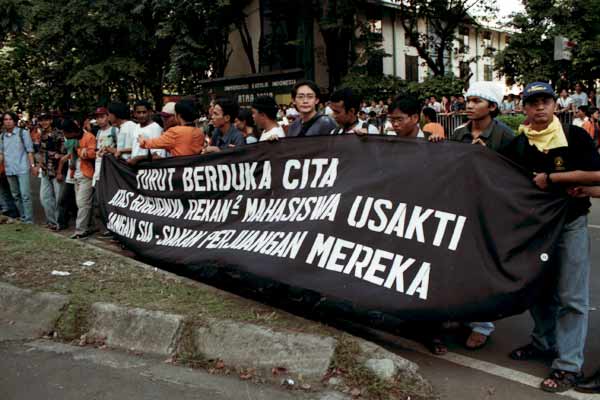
{"x":549,"y":179}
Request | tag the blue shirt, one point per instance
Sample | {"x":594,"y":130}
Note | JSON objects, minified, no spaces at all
{"x":14,"y":146}
{"x":233,"y":137}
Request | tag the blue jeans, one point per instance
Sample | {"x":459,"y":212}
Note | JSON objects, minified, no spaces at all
{"x":561,"y":319}
{"x":50,"y":190}
{"x":7,"y":203}
{"x":21,"y":192}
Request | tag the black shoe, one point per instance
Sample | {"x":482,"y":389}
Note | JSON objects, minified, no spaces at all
{"x":590,"y":385}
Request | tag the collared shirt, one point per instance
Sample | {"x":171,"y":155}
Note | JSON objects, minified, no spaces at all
{"x":580,"y":99}
{"x":14,"y":146}
{"x":496,"y":136}
{"x":357,"y":126}
{"x":580,"y":154}
{"x":52,"y":148}
{"x":233,"y":137}
{"x":179,"y":140}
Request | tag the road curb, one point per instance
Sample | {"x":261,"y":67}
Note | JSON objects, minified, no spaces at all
{"x":27,"y":314}
{"x":135,"y":329}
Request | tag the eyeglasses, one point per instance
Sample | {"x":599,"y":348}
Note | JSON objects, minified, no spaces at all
{"x":397,"y":120}
{"x":307,"y":96}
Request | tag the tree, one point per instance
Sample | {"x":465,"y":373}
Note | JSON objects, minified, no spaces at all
{"x":530,"y":54}
{"x":443,"y":18}
{"x":67,"y":54}
{"x":338,"y":24}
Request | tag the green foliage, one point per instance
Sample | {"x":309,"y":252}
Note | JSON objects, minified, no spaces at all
{"x":438,"y":86}
{"x":530,"y":53}
{"x":76,"y":54}
{"x":513,"y":121}
{"x":375,"y":87}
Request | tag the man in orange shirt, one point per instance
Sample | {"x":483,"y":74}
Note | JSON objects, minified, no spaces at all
{"x":184,"y":139}
{"x":84,"y":160}
{"x":432,"y":127}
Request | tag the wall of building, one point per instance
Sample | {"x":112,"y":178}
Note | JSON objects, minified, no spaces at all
{"x":321,"y":67}
{"x":238,"y":61}
{"x":394,"y":43}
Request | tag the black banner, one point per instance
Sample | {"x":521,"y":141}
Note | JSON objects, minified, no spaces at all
{"x":417,"y":230}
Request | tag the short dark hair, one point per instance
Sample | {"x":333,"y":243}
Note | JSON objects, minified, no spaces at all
{"x":142,"y":103}
{"x":71,"y":126}
{"x":583,"y":108}
{"x":592,"y":110}
{"x":120,"y":110}
{"x":407,"y":105}
{"x":430,"y":113}
{"x":266,"y":105}
{"x":246,"y":115}
{"x":348,"y":97}
{"x":312,"y":85}
{"x":12,"y":116}
{"x":229,"y":107}
{"x":186,"y":110}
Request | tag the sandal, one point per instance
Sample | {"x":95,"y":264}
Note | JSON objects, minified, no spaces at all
{"x":437,"y":347}
{"x":530,"y":352}
{"x":476,"y":341}
{"x":560,"y":381}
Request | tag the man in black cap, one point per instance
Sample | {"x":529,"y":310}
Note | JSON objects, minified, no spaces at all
{"x":561,"y":319}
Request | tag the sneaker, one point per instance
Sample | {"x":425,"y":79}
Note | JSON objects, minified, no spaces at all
{"x":106,"y":234}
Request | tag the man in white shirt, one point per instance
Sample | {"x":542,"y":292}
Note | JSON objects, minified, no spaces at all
{"x":580,"y":98}
{"x":118,"y":115}
{"x":436,"y":105}
{"x":106,"y":140}
{"x":146,"y":128}
{"x":264,"y":112}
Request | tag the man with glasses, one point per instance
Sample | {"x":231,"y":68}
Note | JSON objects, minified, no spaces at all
{"x":306,"y":96}
{"x":404,"y":115}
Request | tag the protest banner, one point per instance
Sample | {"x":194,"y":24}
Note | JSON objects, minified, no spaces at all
{"x":417,"y":230}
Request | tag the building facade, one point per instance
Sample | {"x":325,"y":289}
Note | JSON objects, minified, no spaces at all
{"x":285,"y":40}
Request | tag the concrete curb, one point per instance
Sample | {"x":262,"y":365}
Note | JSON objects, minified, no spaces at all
{"x":28,"y":315}
{"x":249,"y":345}
{"x":135,"y":329}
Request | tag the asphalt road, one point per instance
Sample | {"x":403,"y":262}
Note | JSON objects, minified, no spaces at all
{"x":488,"y":373}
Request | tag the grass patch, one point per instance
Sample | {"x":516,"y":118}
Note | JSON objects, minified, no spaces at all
{"x":346,"y":364}
{"x":29,"y":254}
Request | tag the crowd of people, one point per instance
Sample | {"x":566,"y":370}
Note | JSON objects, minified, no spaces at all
{"x":66,"y":156}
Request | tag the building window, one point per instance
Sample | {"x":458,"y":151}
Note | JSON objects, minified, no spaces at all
{"x":488,"y":73}
{"x":464,"y":70}
{"x":407,"y":41}
{"x":412,"y":68}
